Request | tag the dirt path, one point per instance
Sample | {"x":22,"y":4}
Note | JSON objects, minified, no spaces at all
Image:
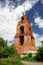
{"x":32,"y":63}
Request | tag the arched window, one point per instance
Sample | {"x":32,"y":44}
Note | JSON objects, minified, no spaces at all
{"x":21,"y":40}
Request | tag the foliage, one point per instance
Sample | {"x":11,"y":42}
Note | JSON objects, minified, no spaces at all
{"x":2,"y":42}
{"x":8,"y":51}
{"x":5,"y":50}
{"x":12,"y":51}
{"x":30,"y":54}
{"x":39,"y":55}
{"x":10,"y":62}
{"x":42,"y":43}
{"x":27,"y":58}
{"x":8,"y":54}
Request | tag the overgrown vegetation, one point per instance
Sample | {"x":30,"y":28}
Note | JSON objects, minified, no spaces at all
{"x":27,"y":58}
{"x":30,"y":54}
{"x":8,"y":54}
{"x":5,"y":50}
{"x":10,"y":62}
{"x":12,"y":58}
{"x":39,"y":55}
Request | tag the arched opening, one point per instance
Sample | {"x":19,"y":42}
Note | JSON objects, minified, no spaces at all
{"x":21,"y":40}
{"x":22,"y":29}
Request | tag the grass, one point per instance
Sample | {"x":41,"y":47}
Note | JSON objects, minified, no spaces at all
{"x":10,"y":62}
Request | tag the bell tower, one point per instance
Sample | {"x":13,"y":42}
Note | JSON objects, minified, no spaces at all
{"x":24,"y":39}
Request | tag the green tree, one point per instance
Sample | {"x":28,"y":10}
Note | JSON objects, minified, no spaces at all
{"x":42,"y":43}
{"x":9,"y":51}
{"x":12,"y":51}
{"x":5,"y":50}
{"x":2,"y":42}
{"x":39,"y":55}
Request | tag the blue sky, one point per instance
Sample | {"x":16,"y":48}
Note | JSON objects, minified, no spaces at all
{"x":11,"y":12}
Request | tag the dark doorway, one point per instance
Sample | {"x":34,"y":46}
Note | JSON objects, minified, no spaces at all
{"x":22,"y":29}
{"x":21,"y":40}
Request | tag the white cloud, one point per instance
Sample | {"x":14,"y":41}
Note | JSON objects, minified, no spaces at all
{"x":38,"y":39}
{"x":39,"y":22}
{"x":42,"y":1}
{"x":9,"y":19}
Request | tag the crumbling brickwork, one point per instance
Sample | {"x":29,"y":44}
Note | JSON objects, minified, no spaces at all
{"x":24,"y":39}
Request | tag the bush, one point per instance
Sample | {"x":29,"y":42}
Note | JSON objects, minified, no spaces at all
{"x":10,"y":62}
{"x":30,"y":54}
{"x":39,"y":55}
{"x":5,"y":50}
{"x":27,"y":58}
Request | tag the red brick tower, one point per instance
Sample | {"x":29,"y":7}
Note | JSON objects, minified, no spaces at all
{"x":24,"y":39}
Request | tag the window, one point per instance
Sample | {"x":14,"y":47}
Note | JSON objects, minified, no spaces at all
{"x":21,"y":40}
{"x":22,"y":29}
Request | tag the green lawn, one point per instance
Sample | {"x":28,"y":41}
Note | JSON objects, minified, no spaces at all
{"x":10,"y":62}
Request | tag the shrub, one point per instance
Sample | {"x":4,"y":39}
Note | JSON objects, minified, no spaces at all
{"x":10,"y":62}
{"x":39,"y":55}
{"x":30,"y":54}
{"x":27,"y":58}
